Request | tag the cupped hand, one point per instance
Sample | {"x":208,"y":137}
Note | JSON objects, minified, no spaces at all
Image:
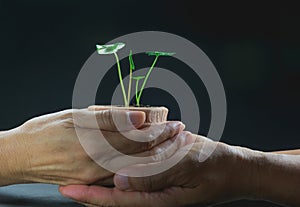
{"x":49,"y":150}
{"x":211,"y":172}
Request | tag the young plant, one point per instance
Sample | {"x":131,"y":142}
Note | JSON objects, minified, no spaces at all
{"x":138,"y":94}
{"x":131,"y":68}
{"x":137,"y":98}
{"x":113,"y":49}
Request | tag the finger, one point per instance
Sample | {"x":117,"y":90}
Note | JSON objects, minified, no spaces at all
{"x":144,"y":183}
{"x":88,"y":194}
{"x":156,"y":132}
{"x":144,"y":177}
{"x":109,"y":119}
{"x":98,"y":107}
{"x":136,"y":141}
{"x":101,"y":196}
{"x":169,"y":147}
{"x":162,"y":152}
{"x":153,"y":115}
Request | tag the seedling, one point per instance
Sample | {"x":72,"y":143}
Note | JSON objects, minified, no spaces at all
{"x":113,"y":49}
{"x":131,"y":68}
{"x":137,"y":97}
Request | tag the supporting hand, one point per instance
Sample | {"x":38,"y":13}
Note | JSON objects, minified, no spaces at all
{"x":220,"y":177}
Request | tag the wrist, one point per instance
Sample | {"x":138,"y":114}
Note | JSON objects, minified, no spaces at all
{"x":13,"y":161}
{"x":245,"y":172}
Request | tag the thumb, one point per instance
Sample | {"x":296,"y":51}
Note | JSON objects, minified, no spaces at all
{"x":98,"y":107}
{"x":124,"y":181}
{"x":109,"y":119}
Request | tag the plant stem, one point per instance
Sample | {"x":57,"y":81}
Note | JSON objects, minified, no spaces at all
{"x":147,"y":76}
{"x":121,"y":79}
{"x":129,"y":85}
{"x":137,"y":100}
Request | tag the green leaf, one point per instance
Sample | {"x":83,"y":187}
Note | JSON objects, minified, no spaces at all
{"x":156,"y":53}
{"x":109,"y":49}
{"x":138,"y":77}
{"x":131,"y":61}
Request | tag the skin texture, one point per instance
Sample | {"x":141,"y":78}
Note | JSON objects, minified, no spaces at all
{"x":229,"y":173}
{"x":46,"y":149}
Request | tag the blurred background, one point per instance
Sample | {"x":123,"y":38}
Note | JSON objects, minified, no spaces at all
{"x":255,"y":47}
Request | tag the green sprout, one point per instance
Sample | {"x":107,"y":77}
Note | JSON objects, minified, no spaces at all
{"x":109,"y":49}
{"x":113,"y":49}
{"x":132,"y":67}
{"x":156,"y":54}
{"x":137,"y":98}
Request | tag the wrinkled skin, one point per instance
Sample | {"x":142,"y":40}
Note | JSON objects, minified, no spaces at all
{"x":46,"y":149}
{"x":199,"y":178}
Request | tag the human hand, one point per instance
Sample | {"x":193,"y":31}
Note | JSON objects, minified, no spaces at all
{"x":47,"y":149}
{"x":199,"y":178}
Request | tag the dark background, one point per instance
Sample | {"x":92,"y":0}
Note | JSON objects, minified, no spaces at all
{"x":255,"y":48}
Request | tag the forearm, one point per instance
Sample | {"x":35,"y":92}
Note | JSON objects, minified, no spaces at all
{"x":280,"y":178}
{"x":288,"y":152}
{"x":273,"y":177}
{"x":12,"y":159}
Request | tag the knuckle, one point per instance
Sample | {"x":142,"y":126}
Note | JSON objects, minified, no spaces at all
{"x":65,"y":115}
{"x":68,"y":113}
{"x":147,"y":145}
{"x":88,"y":175}
{"x":167,"y":132}
{"x":150,"y":144}
{"x":105,"y":117}
{"x":186,"y":138}
{"x":68,"y":123}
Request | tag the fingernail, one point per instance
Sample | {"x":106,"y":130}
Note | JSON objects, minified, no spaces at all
{"x":137,"y":118}
{"x":121,"y":182}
